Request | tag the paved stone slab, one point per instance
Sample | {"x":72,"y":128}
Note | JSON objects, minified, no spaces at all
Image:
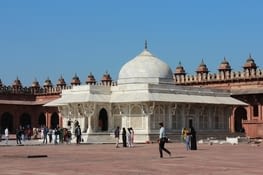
{"x":143,"y":159}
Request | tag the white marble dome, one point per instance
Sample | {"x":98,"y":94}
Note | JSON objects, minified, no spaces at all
{"x":145,"y":68}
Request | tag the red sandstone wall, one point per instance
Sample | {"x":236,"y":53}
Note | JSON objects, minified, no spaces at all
{"x":253,"y":128}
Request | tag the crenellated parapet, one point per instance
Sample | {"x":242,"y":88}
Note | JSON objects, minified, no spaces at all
{"x":49,"y":89}
{"x":220,"y":77}
{"x":225,"y":74}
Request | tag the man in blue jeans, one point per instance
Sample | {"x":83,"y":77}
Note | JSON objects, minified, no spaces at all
{"x":162,"y":140}
{"x":45,"y":133}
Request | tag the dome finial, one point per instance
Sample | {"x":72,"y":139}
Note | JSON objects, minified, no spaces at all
{"x":145,"y":45}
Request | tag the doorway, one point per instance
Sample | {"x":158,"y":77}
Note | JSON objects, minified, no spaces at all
{"x":54,"y":120}
{"x":42,"y":120}
{"x":240,"y":114}
{"x":25,"y":120}
{"x":190,"y":122}
{"x":6,"y":122}
{"x":103,"y":120}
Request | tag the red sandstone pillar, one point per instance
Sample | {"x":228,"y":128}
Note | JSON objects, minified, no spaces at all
{"x":60,"y":120}
{"x":232,"y":121}
{"x":260,"y":112}
{"x":47,"y":120}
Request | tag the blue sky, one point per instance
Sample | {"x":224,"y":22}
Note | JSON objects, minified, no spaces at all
{"x":41,"y":39}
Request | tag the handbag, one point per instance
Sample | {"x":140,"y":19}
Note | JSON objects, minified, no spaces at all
{"x":165,"y":139}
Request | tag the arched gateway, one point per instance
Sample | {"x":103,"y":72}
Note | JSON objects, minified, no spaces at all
{"x":240,"y":114}
{"x":6,"y":122}
{"x":144,"y":94}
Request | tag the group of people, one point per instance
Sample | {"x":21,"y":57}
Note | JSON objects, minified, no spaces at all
{"x":127,"y":137}
{"x":189,"y":138}
{"x":59,"y":135}
{"x":188,"y":135}
{"x":48,"y":135}
{"x":23,"y":133}
{"x":56,"y":135}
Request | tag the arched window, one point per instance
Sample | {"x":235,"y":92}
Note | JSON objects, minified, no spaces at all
{"x":177,"y":119}
{"x":136,"y":118}
{"x":203,"y":122}
{"x":158,"y":116}
{"x":255,"y":110}
{"x":117,"y":117}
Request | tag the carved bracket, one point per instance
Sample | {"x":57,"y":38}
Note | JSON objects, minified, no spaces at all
{"x":89,"y":109}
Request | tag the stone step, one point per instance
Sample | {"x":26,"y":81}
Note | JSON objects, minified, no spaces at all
{"x":98,"y":138}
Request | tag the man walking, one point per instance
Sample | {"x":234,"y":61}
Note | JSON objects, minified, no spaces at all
{"x":18,"y":136}
{"x":162,"y":140}
{"x":117,"y":136}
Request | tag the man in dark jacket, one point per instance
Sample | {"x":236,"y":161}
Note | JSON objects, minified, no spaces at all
{"x":78,"y":134}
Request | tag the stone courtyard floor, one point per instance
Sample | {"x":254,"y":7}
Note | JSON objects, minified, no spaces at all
{"x":143,"y":159}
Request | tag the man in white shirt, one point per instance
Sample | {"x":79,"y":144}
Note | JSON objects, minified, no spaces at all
{"x":162,"y":140}
{"x":6,"y":135}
